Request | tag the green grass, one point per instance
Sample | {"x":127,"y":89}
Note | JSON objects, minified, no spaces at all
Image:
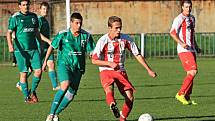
{"x":154,"y":96}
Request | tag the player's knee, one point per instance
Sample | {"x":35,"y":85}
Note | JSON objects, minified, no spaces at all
{"x":64,"y":85}
{"x":129,"y":98}
{"x":50,"y":65}
{"x":193,"y":72}
{"x":38,"y":72}
{"x":23,"y":75}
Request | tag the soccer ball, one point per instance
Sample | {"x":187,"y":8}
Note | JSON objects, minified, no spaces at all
{"x":145,"y":117}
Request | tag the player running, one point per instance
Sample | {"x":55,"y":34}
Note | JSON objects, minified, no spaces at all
{"x":109,"y":55}
{"x":72,"y":45}
{"x":183,"y":33}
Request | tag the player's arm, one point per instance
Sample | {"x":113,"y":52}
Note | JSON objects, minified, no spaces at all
{"x":142,"y":61}
{"x":48,"y":53}
{"x":178,"y":40}
{"x":98,"y":62}
{"x":39,"y":39}
{"x":9,"y":40}
{"x":174,"y":32}
{"x":43,"y":38}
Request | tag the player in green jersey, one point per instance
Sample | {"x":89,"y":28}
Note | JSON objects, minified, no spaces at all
{"x":45,"y":31}
{"x":72,"y":45}
{"x":25,"y":25}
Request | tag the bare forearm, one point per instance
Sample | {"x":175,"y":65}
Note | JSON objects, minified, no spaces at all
{"x":9,"y":41}
{"x":100,"y":62}
{"x":142,"y":61}
{"x":176,"y":38}
{"x":43,"y":38}
{"x":48,"y":53}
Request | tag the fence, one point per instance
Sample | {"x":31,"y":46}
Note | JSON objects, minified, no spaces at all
{"x":151,"y":45}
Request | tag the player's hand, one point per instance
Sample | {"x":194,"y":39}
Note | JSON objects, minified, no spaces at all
{"x":198,"y":50}
{"x":113,"y":65}
{"x":11,"y":49}
{"x":185,"y":46}
{"x":152,"y":73}
{"x":44,"y":67}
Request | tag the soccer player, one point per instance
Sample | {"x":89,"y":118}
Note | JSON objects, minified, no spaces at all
{"x":109,"y":55}
{"x":183,"y":33}
{"x":72,"y":45}
{"x":45,"y":31}
{"x":25,"y":25}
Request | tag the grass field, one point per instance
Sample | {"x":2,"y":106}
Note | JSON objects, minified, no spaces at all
{"x":154,"y":96}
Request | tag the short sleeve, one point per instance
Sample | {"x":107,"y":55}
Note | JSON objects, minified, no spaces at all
{"x":90,"y":44}
{"x":131,"y":45}
{"x":56,"y":41}
{"x":98,"y":50}
{"x":175,"y":26}
{"x":12,"y":23}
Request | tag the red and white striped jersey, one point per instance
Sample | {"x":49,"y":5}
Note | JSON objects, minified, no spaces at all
{"x":113,"y":50}
{"x":183,"y":26}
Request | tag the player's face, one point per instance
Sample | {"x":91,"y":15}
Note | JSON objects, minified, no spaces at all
{"x":115,"y":30}
{"x":44,"y":11}
{"x":76,"y":25}
{"x":24,"y":7}
{"x":187,"y":7}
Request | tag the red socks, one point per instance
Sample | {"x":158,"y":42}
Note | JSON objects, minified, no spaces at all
{"x":110,"y":98}
{"x":187,"y":85}
{"x":126,"y":109}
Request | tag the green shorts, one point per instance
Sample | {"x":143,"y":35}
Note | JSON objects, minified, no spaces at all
{"x":26,"y":59}
{"x":43,"y":55}
{"x":66,"y":73}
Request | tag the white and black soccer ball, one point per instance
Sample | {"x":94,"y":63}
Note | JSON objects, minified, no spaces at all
{"x":145,"y":117}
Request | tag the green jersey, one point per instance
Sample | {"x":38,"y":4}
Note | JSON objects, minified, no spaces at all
{"x":71,"y":49}
{"x":44,"y":30}
{"x":25,"y":27}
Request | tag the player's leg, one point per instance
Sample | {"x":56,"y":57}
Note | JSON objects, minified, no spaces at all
{"x":188,"y":60}
{"x":107,"y":82}
{"x":75,"y":78}
{"x":23,"y":65}
{"x":58,"y":98}
{"x":24,"y":84}
{"x":36,"y":66}
{"x":189,"y":89}
{"x":63,"y":75}
{"x":52,"y":73}
{"x":128,"y":104}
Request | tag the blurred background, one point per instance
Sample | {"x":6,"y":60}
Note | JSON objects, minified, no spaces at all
{"x":147,"y":21}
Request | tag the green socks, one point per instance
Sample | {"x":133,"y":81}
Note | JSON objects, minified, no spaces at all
{"x":52,"y":76}
{"x":68,"y":97}
{"x":24,"y":87}
{"x":35,"y":83}
{"x":57,"y":99}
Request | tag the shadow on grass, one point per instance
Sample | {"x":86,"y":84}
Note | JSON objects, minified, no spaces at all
{"x":197,"y":118}
{"x":160,"y":85}
{"x":145,"y":98}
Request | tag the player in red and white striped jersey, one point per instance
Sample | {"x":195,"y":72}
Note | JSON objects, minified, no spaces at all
{"x":183,"y":33}
{"x":109,"y":55}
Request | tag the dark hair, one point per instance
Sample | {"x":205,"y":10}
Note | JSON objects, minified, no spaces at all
{"x":44,"y":4}
{"x":19,"y":1}
{"x":186,"y":1}
{"x":76,"y":15}
{"x":113,"y":19}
